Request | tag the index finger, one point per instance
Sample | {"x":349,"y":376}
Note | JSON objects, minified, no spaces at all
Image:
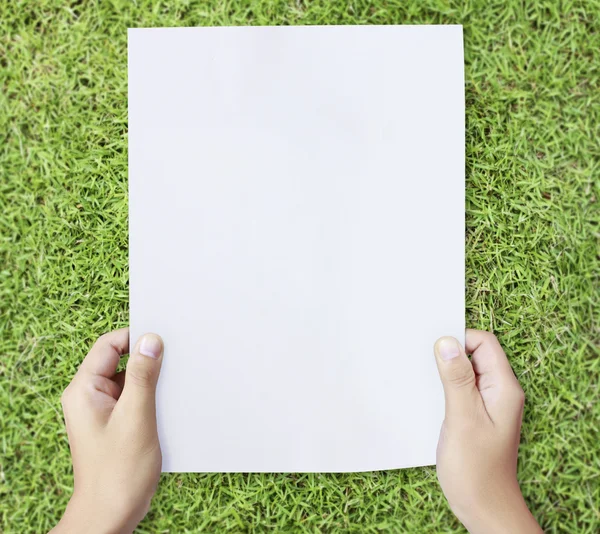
{"x":488,"y":356}
{"x":104,"y":356}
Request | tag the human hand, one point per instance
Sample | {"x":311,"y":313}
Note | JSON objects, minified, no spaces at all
{"x":479,"y":440}
{"x":111,"y":425}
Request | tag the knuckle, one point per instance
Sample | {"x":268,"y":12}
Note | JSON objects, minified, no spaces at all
{"x":89,"y":388}
{"x":64,"y":398}
{"x":518,"y":395}
{"x":512,"y":393}
{"x":140,"y":376}
{"x":490,"y":337}
{"x":461,"y":378}
{"x":95,"y":382}
{"x":101,"y":340}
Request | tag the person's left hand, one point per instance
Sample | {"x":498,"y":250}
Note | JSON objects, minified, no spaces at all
{"x":111,"y":425}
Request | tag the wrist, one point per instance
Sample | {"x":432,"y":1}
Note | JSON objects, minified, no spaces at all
{"x":83,"y":516}
{"x":507,"y":512}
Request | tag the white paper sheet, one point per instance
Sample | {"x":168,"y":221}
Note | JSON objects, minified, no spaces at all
{"x":297,"y":238}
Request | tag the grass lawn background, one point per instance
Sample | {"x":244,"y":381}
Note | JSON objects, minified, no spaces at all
{"x":532,"y":237}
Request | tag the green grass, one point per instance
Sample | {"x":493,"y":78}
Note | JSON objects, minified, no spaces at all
{"x":533,"y":166}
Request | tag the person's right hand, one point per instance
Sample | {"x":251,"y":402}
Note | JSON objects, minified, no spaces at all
{"x":479,"y":441}
{"x":111,"y":425}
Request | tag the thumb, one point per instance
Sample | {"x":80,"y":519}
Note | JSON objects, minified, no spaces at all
{"x":141,"y":375}
{"x":458,"y":378}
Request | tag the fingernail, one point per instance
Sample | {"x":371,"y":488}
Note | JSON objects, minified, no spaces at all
{"x":448,"y":348}
{"x":151,"y":346}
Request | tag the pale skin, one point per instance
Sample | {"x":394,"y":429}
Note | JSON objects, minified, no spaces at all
{"x":111,"y":425}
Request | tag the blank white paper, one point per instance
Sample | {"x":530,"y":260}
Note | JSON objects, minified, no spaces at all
{"x":297,"y":238}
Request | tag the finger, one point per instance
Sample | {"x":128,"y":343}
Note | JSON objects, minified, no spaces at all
{"x":119,"y":379}
{"x":141,"y":375}
{"x":458,"y":379}
{"x":90,"y":399}
{"x":104,"y":356}
{"x":107,"y":386}
{"x":499,"y":388}
{"x":488,"y":357}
